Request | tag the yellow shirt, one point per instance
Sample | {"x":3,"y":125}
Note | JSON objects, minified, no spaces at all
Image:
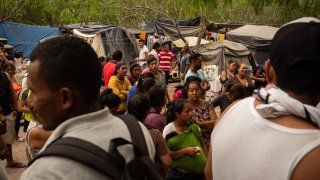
{"x":121,"y":89}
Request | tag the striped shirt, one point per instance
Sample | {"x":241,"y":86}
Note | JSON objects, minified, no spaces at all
{"x":165,"y":59}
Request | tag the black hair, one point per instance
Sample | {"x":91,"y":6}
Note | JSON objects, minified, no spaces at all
{"x":118,"y":66}
{"x":237,"y":91}
{"x":144,"y":85}
{"x":148,"y":75}
{"x":139,"y":106}
{"x":236,"y":67}
{"x":117,"y":55}
{"x":165,"y":43}
{"x":102,"y":58}
{"x":151,"y":59}
{"x":174,"y":107}
{"x":61,"y":60}
{"x":192,"y":78}
{"x":1,"y":45}
{"x":194,"y":57}
{"x":108,"y":98}
{"x":156,"y":45}
{"x":231,"y":61}
{"x":157,"y":94}
{"x":132,"y":66}
{"x":193,"y":82}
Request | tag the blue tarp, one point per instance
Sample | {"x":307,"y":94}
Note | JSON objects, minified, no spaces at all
{"x":24,"y":38}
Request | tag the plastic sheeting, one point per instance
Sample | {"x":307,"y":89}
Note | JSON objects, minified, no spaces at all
{"x":94,"y":40}
{"x":24,"y":38}
{"x":113,"y":38}
{"x":167,"y":28}
{"x":219,"y":53}
{"x":253,"y":36}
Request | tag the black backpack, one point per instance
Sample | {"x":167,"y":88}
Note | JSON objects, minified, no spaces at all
{"x":110,"y":163}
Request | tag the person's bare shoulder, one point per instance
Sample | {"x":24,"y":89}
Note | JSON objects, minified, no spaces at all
{"x":308,"y":167}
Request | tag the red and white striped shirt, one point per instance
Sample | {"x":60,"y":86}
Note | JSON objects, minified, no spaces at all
{"x":165,"y":59}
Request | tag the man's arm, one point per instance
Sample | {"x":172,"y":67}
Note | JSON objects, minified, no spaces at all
{"x":308,"y":167}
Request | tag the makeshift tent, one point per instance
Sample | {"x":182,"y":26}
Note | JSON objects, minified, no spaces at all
{"x":257,"y":38}
{"x":167,"y":28}
{"x":94,"y":40}
{"x":219,"y":53}
{"x":192,"y":41}
{"x":113,"y":38}
{"x":24,"y":38}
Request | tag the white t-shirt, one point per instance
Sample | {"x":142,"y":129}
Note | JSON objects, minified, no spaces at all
{"x":143,"y":51}
{"x":169,"y":128}
{"x":154,"y":53}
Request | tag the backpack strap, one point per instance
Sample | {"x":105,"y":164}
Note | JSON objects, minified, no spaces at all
{"x":138,"y":141}
{"x":86,"y":153}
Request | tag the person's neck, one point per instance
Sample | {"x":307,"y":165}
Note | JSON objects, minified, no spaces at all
{"x":120,"y":77}
{"x":114,"y":61}
{"x":313,"y":101}
{"x":193,"y":69}
{"x":230,"y":73}
{"x":180,"y":123}
{"x":241,"y":76}
{"x":83,"y":109}
{"x":195,"y":102}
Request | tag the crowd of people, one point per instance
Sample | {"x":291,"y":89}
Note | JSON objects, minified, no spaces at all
{"x":272,"y":115}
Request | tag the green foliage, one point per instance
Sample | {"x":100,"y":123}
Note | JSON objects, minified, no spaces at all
{"x":121,"y":12}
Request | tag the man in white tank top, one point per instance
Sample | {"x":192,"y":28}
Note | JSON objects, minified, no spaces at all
{"x":275,"y":134}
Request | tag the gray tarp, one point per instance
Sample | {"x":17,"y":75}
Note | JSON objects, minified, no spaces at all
{"x":257,"y":38}
{"x":219,"y":53}
{"x":253,"y":36}
{"x":167,"y":28}
{"x":113,"y":38}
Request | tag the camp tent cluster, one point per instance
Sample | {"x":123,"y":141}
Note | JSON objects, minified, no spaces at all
{"x":248,"y":43}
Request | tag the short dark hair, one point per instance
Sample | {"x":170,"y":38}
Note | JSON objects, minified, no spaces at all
{"x":148,"y":75}
{"x":117,"y":55}
{"x":237,"y":91}
{"x":231,"y":61}
{"x":132,"y":66}
{"x":139,"y":106}
{"x":194,"y":57}
{"x":157,"y":94}
{"x":6,"y":65}
{"x":165,"y":43}
{"x":156,"y":45}
{"x":151,"y":59}
{"x":108,"y":98}
{"x":144,"y":85}
{"x":61,"y":60}
{"x":1,"y":45}
{"x":102,"y":58}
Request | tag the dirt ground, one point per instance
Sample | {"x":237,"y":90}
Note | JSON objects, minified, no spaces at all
{"x":19,"y":154}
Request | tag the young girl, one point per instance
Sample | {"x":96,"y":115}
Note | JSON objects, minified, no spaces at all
{"x":202,"y":111}
{"x":183,"y":137}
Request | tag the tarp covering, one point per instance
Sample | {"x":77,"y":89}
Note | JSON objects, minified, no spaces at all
{"x":167,"y":28}
{"x":113,"y":38}
{"x":24,"y":38}
{"x":94,"y":40}
{"x":192,"y":41}
{"x":219,"y":53}
{"x":253,"y":36}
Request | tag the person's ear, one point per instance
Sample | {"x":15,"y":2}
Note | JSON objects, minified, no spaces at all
{"x":67,"y":98}
{"x":270,"y":73}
